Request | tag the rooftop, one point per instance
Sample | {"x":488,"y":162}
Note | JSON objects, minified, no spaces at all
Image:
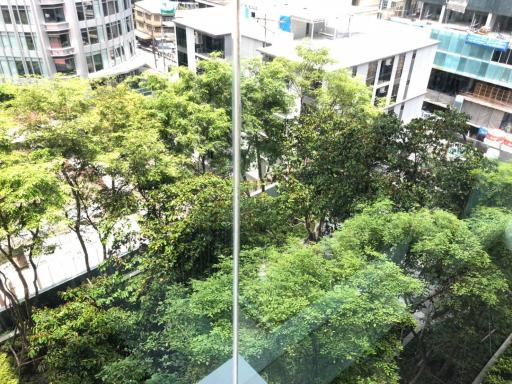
{"x":456,"y":27}
{"x":155,"y":6}
{"x":208,"y":20}
{"x":383,"y":40}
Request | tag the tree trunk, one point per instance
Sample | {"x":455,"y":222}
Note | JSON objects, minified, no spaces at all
{"x":35,"y":235}
{"x":203,"y":164}
{"x":78,"y":219}
{"x":501,"y":350}
{"x":260,"y":173}
{"x":19,"y":272}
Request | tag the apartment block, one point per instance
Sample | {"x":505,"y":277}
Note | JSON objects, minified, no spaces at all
{"x":394,"y":60}
{"x":78,"y":38}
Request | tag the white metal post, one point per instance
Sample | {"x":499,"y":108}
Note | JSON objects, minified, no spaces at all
{"x":236,"y":127}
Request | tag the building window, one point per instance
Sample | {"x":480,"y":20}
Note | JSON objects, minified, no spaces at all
{"x":386,"y":68}
{"x":20,"y":68}
{"x":116,"y":54}
{"x":6,"y":15}
{"x":114,"y":30}
{"x":8,"y":40}
{"x":59,"y":40}
{"x":20,"y":15}
{"x":110,"y":7}
{"x":372,"y":71}
{"x":182,"y":59}
{"x":181,"y":37}
{"x":129,"y":23}
{"x":94,"y":62}
{"x":140,"y":14}
{"x":34,"y":66}
{"x":90,"y":35}
{"x":85,"y":10}
{"x":502,"y":57}
{"x":398,"y":77}
{"x":29,"y":41}
{"x":127,"y":4}
{"x":381,"y":93}
{"x":411,"y":68}
{"x":54,"y":15}
{"x":65,"y":65}
{"x":207,"y":44}
{"x":30,"y":67}
{"x":156,"y":17}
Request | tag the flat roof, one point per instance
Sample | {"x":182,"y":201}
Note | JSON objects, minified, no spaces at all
{"x":383,"y":40}
{"x":208,"y":20}
{"x":152,"y":6}
{"x":214,"y":22}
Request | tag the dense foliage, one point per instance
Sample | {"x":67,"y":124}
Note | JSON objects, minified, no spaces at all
{"x":380,"y":252}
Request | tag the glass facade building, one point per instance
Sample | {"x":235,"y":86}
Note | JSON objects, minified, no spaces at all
{"x":64,"y":36}
{"x":455,"y":55}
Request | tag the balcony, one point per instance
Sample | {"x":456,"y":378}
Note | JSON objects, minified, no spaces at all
{"x":439,"y":98}
{"x":63,"y":51}
{"x":54,"y":27}
{"x":51,"y":2}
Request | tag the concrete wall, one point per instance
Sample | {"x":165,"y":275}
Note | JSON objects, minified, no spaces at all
{"x":248,"y":48}
{"x":421,"y":71}
{"x":191,"y":48}
{"x":483,"y":116}
{"x":412,"y":109}
{"x":299,"y":29}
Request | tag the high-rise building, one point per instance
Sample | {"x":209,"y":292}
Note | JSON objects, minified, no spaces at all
{"x":82,"y":38}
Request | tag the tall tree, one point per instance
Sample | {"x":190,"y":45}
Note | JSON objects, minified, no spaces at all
{"x":30,"y":197}
{"x":330,"y":151}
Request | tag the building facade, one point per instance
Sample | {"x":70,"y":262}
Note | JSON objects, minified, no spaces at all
{"x":395,"y":61}
{"x":201,"y":32}
{"x":154,"y":19}
{"x":472,"y":69}
{"x":81,"y":38}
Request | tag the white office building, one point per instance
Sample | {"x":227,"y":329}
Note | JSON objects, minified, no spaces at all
{"x":83,"y":38}
{"x":394,"y":60}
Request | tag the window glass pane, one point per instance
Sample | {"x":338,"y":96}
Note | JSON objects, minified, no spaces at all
{"x":88,"y":10}
{"x":85,"y":36}
{"x":19,"y":67}
{"x":29,"y":40}
{"x":65,"y":65}
{"x":93,"y":35}
{"x":54,"y":15}
{"x":6,"y":15}
{"x":20,"y":15}
{"x":36,"y":67}
{"x":372,"y":71}
{"x":80,"y":11}
{"x":90,"y":64}
{"x":386,"y":68}
{"x":98,"y":62}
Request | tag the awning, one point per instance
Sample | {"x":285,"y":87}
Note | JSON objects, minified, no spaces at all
{"x":142,"y":35}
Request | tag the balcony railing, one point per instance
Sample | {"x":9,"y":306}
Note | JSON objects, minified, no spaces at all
{"x":493,"y":94}
{"x":61,"y":26}
{"x":63,"y":51}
